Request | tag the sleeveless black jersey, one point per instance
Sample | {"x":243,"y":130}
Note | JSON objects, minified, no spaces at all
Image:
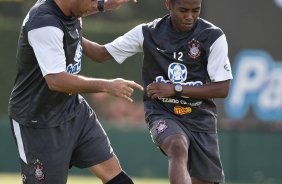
{"x":31,"y":102}
{"x":179,"y":58}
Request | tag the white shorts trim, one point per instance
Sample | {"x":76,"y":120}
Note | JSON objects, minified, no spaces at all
{"x":18,"y":135}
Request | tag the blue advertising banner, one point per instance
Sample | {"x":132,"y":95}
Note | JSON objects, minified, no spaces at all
{"x":253,"y":32}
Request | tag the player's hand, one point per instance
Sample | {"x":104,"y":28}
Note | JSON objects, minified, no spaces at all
{"x":123,"y":88}
{"x":114,"y":4}
{"x":160,"y":89}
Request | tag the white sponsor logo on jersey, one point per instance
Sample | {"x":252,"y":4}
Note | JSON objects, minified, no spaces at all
{"x":177,"y":73}
{"x":75,"y":68}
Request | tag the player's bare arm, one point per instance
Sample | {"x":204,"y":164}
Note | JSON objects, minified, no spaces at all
{"x":212,"y":90}
{"x":69,"y":83}
{"x":95,"y":51}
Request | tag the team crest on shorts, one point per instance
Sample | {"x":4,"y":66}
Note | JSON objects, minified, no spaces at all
{"x":38,"y":166}
{"x":161,"y":127}
{"x":194,"y":49}
{"x":23,"y":178}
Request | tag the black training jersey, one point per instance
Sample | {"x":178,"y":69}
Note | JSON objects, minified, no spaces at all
{"x":192,"y":58}
{"x":49,"y":42}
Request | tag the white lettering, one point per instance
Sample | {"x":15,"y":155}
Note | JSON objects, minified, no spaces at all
{"x":250,"y":76}
{"x":257,"y":84}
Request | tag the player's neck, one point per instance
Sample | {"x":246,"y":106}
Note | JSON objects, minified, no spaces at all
{"x":64,"y":6}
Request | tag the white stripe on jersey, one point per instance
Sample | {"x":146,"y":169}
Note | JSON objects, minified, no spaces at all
{"x":218,"y":62}
{"x":47,"y":44}
{"x":18,"y":135}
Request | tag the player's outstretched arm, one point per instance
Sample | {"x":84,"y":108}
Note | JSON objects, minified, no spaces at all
{"x":95,"y":51}
{"x":71,"y":84}
{"x":123,"y":88}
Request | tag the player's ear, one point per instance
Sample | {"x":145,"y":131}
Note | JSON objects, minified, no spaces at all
{"x":168,"y":4}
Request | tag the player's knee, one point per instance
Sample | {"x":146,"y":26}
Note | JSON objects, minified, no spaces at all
{"x":176,"y":147}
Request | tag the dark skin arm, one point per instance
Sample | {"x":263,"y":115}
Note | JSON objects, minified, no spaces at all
{"x":212,"y":90}
{"x":95,"y":51}
{"x":100,"y":54}
{"x":69,"y":83}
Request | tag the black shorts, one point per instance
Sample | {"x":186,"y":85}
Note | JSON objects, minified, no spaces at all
{"x":204,"y":159}
{"x":46,"y":154}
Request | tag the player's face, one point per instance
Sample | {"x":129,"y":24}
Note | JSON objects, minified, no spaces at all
{"x":184,"y":14}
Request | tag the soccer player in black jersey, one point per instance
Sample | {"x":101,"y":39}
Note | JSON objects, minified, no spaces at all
{"x":185,"y":66}
{"x":53,"y":125}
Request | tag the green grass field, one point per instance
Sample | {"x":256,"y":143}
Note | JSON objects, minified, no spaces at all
{"x":16,"y":179}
